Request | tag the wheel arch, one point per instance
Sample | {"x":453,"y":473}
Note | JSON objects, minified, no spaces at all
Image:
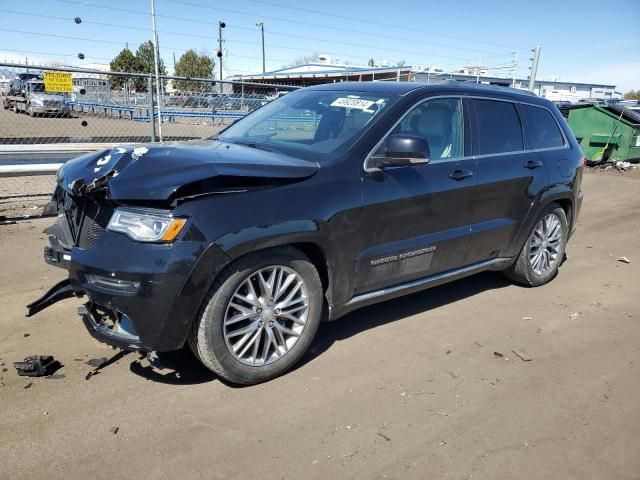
{"x":560,"y":194}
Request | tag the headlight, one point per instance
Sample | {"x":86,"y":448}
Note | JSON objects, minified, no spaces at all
{"x":37,"y":101}
{"x":146,"y":225}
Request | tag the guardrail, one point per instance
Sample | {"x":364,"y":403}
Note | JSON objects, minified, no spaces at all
{"x":29,"y":170}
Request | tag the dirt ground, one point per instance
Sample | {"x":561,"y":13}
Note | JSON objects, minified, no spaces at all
{"x":410,"y":388}
{"x":86,"y":127}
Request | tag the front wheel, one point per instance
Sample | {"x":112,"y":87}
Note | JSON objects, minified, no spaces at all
{"x":259,"y":317}
{"x":542,"y":253}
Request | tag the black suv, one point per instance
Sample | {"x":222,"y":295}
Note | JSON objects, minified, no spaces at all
{"x":325,"y":200}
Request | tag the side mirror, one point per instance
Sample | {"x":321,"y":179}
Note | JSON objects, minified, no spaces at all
{"x":402,"y":150}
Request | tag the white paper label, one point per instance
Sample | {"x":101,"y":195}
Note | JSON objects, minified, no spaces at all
{"x":352,"y":103}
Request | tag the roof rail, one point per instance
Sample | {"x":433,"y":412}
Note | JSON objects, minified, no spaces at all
{"x":485,"y":86}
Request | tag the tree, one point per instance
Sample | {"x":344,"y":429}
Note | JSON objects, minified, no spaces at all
{"x":371,"y":62}
{"x":145,"y":60}
{"x":632,"y":95}
{"x":401,"y":63}
{"x":304,"y":59}
{"x":191,"y":64}
{"x":125,"y":61}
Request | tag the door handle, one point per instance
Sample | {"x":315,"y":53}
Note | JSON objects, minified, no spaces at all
{"x":460,"y":174}
{"x":533,"y":164}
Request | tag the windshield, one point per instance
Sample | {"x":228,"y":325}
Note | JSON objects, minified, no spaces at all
{"x":36,"y":87}
{"x":309,"y":124}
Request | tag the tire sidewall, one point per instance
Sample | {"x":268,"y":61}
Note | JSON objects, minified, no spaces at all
{"x":542,"y":279}
{"x":214,"y":313}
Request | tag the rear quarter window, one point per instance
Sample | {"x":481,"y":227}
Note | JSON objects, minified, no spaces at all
{"x":498,"y":125}
{"x":542,"y":129}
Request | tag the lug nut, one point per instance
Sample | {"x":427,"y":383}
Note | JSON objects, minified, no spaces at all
{"x":270,"y":324}
{"x":258,"y":310}
{"x":277,"y":311}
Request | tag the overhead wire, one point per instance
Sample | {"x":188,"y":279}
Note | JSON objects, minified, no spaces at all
{"x":270,"y":46}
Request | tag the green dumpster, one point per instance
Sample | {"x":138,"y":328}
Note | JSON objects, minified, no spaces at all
{"x":606,"y":132}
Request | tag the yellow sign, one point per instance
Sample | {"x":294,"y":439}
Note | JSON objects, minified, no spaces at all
{"x":58,"y":82}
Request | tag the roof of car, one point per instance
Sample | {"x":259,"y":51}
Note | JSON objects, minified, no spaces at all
{"x":402,"y":88}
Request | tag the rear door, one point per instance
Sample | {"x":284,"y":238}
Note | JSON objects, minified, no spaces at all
{"x":415,"y":219}
{"x":510,"y":176}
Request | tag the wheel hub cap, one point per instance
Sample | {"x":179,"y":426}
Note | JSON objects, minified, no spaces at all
{"x":266,"y":315}
{"x":545,"y":245}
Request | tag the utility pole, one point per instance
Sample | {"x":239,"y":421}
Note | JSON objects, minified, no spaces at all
{"x":478,"y":71}
{"x":515,"y":68}
{"x":534,"y":67}
{"x":261,"y":25}
{"x":156,"y":53}
{"x":221,"y":25}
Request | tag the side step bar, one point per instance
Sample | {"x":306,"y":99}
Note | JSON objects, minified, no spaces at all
{"x":59,"y":291}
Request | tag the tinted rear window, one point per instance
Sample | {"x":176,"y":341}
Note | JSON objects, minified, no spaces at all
{"x":499,"y":129}
{"x":542,"y":128}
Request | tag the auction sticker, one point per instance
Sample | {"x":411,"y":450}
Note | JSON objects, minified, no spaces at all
{"x":352,"y":103}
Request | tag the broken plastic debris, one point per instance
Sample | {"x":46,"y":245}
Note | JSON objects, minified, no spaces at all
{"x":574,"y":315}
{"x":37,"y":366}
{"x":96,"y":362}
{"x":521,"y":355}
{"x":498,"y":354}
{"x":624,"y":260}
{"x":114,"y":430}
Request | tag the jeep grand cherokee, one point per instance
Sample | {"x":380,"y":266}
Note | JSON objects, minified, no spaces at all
{"x":325,"y":200}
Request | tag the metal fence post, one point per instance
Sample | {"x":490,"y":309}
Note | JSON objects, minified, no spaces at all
{"x":152,"y":113}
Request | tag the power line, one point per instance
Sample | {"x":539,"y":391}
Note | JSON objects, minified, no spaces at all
{"x":421,"y":54}
{"x":309,"y":24}
{"x":382,"y":24}
{"x":192,"y":20}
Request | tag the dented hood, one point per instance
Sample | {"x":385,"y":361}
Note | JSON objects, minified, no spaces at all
{"x":168,"y":171}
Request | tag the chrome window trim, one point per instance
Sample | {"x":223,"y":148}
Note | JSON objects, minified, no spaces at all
{"x":566,"y":145}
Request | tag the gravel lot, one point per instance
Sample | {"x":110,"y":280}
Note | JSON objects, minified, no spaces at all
{"x":87,"y":128}
{"x":407,"y":389}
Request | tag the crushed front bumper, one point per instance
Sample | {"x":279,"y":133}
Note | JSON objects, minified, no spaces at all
{"x":141,"y":296}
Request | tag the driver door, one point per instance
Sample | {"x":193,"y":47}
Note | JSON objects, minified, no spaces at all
{"x":416,"y":219}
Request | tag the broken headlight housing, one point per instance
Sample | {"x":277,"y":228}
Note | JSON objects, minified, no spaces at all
{"x":146,"y":225}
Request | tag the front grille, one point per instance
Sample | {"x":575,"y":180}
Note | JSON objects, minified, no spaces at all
{"x":87,"y":220}
{"x":96,"y":219}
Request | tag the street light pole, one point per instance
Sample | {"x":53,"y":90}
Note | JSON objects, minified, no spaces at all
{"x":261,"y":25}
{"x":221,"y":25}
{"x":156,"y":53}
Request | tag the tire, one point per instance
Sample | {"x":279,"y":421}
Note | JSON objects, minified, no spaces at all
{"x":525,"y":270}
{"x":30,"y":111}
{"x":213,"y":334}
{"x":15,"y":108}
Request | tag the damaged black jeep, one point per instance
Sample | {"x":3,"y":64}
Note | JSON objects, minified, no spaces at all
{"x":325,"y":200}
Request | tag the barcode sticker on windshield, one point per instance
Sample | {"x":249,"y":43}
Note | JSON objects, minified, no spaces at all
{"x":352,"y":103}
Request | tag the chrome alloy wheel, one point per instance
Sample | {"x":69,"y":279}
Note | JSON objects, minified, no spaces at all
{"x":545,"y":245}
{"x":266,"y":315}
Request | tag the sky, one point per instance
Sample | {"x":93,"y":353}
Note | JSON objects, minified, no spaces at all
{"x":584,"y":41}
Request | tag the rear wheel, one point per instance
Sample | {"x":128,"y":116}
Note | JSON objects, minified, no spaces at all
{"x":542,"y":253}
{"x":260,"y":316}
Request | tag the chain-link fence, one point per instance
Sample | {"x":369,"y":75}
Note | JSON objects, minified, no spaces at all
{"x":51,"y":107}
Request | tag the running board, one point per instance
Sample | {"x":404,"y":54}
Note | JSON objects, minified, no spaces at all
{"x":59,"y":291}
{"x":417,"y":285}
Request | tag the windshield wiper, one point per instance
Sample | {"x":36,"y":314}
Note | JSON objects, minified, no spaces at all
{"x":257,"y":146}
